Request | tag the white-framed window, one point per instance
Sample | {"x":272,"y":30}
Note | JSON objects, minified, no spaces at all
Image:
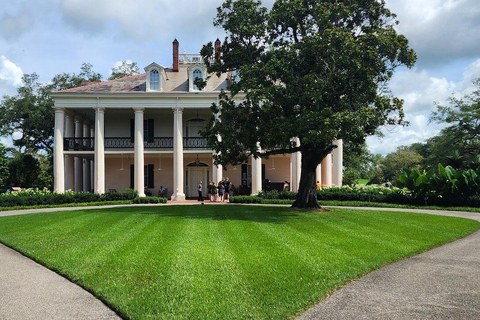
{"x":197,"y":73}
{"x":154,"y":80}
{"x":155,"y":77}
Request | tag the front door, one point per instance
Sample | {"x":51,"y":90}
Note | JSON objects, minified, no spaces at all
{"x":195,"y":176}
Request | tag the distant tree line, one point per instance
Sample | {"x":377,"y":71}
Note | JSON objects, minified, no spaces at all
{"x":457,"y":145}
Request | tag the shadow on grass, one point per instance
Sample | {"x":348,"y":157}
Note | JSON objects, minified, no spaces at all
{"x":224,"y":212}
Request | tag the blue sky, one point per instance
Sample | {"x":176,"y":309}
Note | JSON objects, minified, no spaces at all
{"x":55,"y":36}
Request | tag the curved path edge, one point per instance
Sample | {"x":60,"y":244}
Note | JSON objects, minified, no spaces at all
{"x":442,"y":283}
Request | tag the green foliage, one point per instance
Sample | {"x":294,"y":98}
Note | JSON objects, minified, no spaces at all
{"x":34,"y":197}
{"x":30,"y":113}
{"x":4,"y":172}
{"x":394,"y":162}
{"x":417,"y":182}
{"x":275,"y":194}
{"x":350,"y":177}
{"x":315,"y":71}
{"x":212,"y":263}
{"x":140,"y":200}
{"x":463,"y":117}
{"x":24,"y":170}
{"x":447,"y":182}
{"x":124,"y":70}
{"x":245,"y":199}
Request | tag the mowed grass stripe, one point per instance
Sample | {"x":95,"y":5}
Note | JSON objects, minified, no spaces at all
{"x":221,"y":262}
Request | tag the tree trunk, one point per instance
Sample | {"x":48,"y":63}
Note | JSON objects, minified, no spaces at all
{"x":307,"y":191}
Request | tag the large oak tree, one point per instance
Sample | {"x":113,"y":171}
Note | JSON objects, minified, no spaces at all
{"x":315,"y":70}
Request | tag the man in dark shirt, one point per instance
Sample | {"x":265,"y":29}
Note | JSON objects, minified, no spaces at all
{"x":226,"y":184}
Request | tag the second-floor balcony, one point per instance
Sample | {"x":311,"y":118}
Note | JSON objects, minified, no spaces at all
{"x":87,"y":144}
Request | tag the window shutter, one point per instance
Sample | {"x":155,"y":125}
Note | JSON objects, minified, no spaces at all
{"x":132,"y":130}
{"x":150,"y":176}
{"x":151,"y":130}
{"x":244,"y":175}
{"x":132,"y":173}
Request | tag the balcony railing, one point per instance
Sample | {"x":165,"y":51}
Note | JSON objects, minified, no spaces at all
{"x":119,"y":143}
{"x":194,"y":143}
{"x":83,"y":144}
{"x":159,"y":143}
{"x":87,"y":144}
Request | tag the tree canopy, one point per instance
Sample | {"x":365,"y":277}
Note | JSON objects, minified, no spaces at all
{"x":125,"y":69}
{"x":315,"y":70}
{"x":29,"y":116}
{"x":458,"y":143}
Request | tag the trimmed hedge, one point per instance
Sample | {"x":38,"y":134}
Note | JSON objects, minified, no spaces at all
{"x":38,"y":198}
{"x":245,"y":199}
{"x":366,"y":195}
{"x":141,"y":200}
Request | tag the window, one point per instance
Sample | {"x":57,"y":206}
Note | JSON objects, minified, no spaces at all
{"x":148,"y":176}
{"x":154,"y":80}
{"x":197,"y":73}
{"x":148,"y":130}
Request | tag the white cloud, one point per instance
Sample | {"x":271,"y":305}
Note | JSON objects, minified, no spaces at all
{"x":420,"y":92}
{"x":439,"y":30}
{"x":471,"y":72}
{"x":10,"y":76}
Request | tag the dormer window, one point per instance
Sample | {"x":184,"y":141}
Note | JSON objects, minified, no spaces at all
{"x":154,"y":80}
{"x":196,"y":74}
{"x":195,"y":71}
{"x":155,"y":77}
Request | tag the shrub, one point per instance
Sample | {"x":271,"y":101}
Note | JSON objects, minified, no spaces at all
{"x":141,"y":200}
{"x":35,"y":197}
{"x":245,"y":199}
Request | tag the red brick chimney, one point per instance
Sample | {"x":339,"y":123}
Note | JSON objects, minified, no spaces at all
{"x":175,"y":55}
{"x":217,"y":50}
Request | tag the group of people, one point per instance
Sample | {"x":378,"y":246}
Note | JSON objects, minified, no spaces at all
{"x":217,"y":192}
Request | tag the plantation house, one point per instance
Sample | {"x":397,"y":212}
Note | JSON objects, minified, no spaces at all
{"x":142,"y":132}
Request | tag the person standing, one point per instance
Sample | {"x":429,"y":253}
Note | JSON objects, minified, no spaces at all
{"x":221,"y":190}
{"x":210,"y":190}
{"x":226,"y":184}
{"x":200,"y":190}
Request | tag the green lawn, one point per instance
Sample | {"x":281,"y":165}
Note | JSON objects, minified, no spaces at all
{"x":221,"y":262}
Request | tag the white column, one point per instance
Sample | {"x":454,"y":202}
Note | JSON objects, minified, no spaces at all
{"x":139,"y":160}
{"x":218,"y":168}
{"x":256,"y":173}
{"x":318,"y":174}
{"x":69,"y":169}
{"x":178,"y":193}
{"x":92,"y":167}
{"x":78,"y":165}
{"x":338,"y":163}
{"x":86,"y":161}
{"x":99,"y":154}
{"x":327,"y":171}
{"x":58,"y":160}
{"x":296,"y":160}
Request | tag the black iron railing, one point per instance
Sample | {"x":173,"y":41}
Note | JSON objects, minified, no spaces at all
{"x":195,"y":143}
{"x":118,"y":143}
{"x":84,"y":144}
{"x":87,"y":144}
{"x":159,"y":143}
